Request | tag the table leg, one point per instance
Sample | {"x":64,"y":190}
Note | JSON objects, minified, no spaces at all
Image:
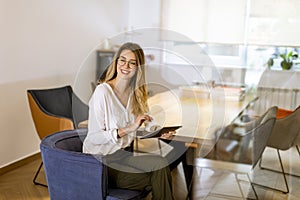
{"x":188,"y":169}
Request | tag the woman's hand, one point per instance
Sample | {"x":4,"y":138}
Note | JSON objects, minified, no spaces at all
{"x":168,"y":135}
{"x":141,"y":119}
{"x":134,"y":126}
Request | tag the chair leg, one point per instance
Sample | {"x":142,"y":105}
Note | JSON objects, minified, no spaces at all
{"x":273,"y":170}
{"x":252,"y":185}
{"x":240,"y":187}
{"x":260,"y":161}
{"x":36,"y":175}
{"x":241,"y":191}
{"x":282,"y":172}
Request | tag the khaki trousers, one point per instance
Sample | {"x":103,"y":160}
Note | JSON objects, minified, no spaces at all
{"x":140,"y":172}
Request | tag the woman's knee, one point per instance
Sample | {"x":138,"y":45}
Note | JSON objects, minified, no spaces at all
{"x":158,"y":162}
{"x":147,"y":163}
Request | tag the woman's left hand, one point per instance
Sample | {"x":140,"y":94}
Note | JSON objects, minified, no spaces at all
{"x":168,"y":135}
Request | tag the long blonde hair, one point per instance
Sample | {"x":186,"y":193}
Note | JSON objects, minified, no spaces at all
{"x":139,"y":97}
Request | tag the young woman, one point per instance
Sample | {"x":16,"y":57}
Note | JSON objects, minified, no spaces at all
{"x":116,"y":111}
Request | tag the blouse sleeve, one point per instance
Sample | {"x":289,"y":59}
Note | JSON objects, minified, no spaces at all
{"x":98,"y":133}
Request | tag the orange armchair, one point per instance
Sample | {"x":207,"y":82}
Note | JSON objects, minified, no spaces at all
{"x":54,"y":110}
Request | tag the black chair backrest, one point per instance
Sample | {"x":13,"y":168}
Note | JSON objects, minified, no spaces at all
{"x":55,"y":101}
{"x":80,"y":110}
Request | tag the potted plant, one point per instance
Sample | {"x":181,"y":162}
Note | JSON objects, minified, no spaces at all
{"x":287,"y":61}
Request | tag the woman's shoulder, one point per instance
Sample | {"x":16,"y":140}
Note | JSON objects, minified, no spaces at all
{"x":103,"y":88}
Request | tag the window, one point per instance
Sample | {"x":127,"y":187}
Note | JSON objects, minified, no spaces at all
{"x":209,"y":21}
{"x":274,"y":22}
{"x":235,"y":33}
{"x":254,"y":22}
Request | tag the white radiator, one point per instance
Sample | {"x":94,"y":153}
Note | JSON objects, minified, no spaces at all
{"x":283,"y":98}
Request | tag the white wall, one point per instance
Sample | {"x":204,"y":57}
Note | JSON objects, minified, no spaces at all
{"x":43,"y":43}
{"x":144,"y":13}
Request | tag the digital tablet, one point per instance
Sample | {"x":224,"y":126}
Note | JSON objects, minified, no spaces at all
{"x":145,"y":134}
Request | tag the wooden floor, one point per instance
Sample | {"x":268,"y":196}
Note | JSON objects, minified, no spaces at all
{"x":17,"y":184}
{"x":209,"y":182}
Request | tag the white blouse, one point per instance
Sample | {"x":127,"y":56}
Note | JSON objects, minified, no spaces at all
{"x":106,"y":115}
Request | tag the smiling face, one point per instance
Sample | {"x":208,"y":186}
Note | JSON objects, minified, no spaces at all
{"x":129,"y":65}
{"x":126,"y":65}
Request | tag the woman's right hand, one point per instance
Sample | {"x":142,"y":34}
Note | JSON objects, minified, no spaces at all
{"x":140,"y":120}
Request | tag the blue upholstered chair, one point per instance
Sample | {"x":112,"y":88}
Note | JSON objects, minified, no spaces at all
{"x":73,"y":175}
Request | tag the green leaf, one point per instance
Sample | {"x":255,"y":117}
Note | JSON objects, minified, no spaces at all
{"x":289,"y":54}
{"x":270,"y":62}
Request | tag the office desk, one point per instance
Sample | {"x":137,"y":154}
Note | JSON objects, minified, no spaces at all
{"x":199,"y":117}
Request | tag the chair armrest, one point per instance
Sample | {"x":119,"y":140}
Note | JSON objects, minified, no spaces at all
{"x":72,"y":175}
{"x":246,"y":125}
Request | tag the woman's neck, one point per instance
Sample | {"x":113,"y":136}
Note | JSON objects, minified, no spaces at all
{"x":122,"y":90}
{"x":120,"y":85}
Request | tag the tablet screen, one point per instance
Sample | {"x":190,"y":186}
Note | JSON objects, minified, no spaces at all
{"x":157,"y":133}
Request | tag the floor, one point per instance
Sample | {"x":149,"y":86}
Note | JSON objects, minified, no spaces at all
{"x":216,"y":184}
{"x":17,"y":184}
